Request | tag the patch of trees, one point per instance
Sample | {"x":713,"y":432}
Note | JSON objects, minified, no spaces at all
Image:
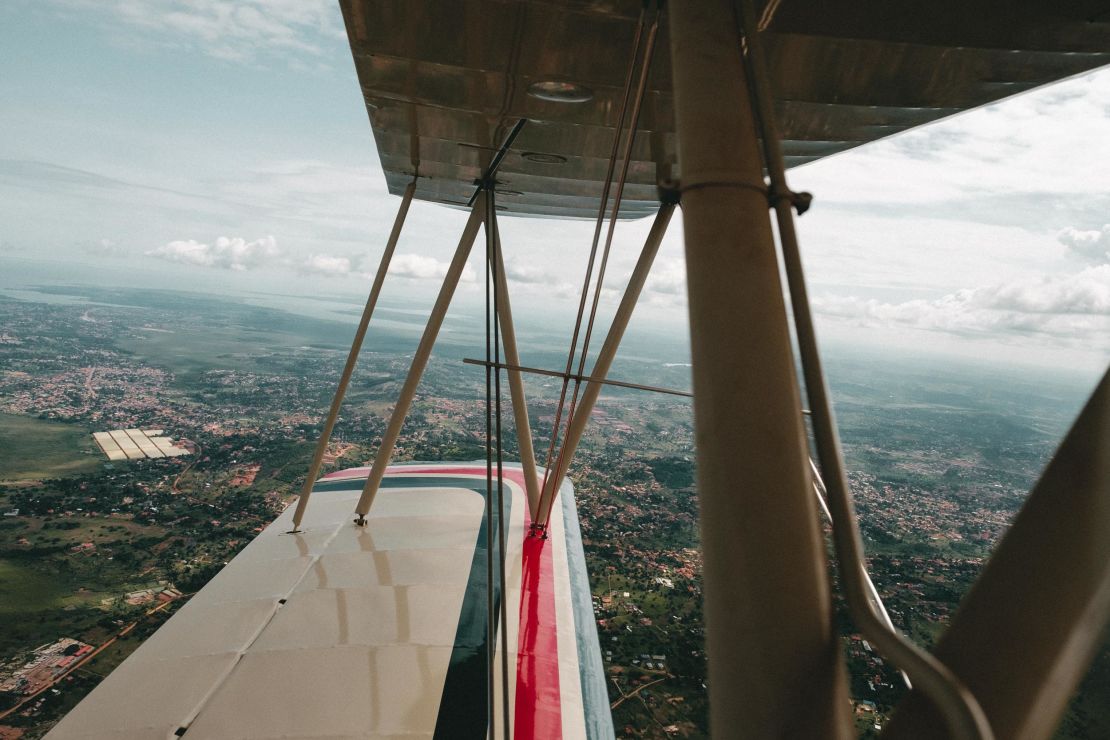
{"x":673,"y":472}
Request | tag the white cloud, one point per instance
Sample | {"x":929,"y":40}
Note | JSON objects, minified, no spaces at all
{"x":419,"y":267}
{"x":1072,"y":307}
{"x":1049,"y":141}
{"x":525,"y":272}
{"x":536,"y":296}
{"x":227,"y":253}
{"x":668,"y":278}
{"x":1086,"y":292}
{"x":326,"y":264}
{"x":240,"y":31}
{"x":1090,"y":246}
{"x":239,"y":254}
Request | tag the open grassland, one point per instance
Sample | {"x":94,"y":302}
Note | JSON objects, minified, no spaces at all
{"x":33,"y":449}
{"x":24,"y":588}
{"x":41,"y":602}
{"x":54,"y":533}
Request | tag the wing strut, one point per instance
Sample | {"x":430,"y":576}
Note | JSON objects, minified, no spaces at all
{"x":963,"y":715}
{"x":420,"y":361}
{"x":352,"y":357}
{"x":873,"y":593}
{"x":516,"y":382}
{"x":768,"y":614}
{"x":580,"y":416}
{"x":478,"y":203}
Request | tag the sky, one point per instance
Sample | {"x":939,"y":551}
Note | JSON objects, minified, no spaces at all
{"x":224,"y":147}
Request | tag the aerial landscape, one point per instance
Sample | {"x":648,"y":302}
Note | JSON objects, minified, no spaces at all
{"x":196,"y":197}
{"x":97,"y":553}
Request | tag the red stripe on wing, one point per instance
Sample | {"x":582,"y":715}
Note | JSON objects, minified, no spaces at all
{"x":538,"y":713}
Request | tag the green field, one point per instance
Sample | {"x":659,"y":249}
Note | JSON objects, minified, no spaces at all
{"x":26,"y":589}
{"x":39,"y":605}
{"x":32,"y":448}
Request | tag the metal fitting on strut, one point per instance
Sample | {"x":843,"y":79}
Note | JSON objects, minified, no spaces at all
{"x":800,"y":201}
{"x":670,"y":192}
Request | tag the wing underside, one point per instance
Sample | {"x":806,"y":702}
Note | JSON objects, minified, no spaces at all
{"x":445,"y":80}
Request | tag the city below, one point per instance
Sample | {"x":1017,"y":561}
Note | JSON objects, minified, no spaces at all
{"x":148,"y":436}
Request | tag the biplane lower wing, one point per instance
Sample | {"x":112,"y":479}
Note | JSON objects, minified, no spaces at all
{"x":342,"y":631}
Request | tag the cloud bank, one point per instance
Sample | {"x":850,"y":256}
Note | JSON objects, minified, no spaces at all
{"x":668,"y":278}
{"x":1091,"y":246}
{"x":326,"y":264}
{"x":243,"y":31}
{"x":1068,"y":307}
{"x":419,"y":267}
{"x":227,"y":253}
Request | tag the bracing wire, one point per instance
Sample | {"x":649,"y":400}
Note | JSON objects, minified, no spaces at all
{"x":485,"y":190}
{"x":630,"y":138}
{"x":494,"y":456}
{"x":593,"y":255}
{"x":490,"y":630}
{"x":493,"y":262}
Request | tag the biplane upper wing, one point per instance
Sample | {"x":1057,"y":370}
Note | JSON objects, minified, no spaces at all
{"x":444,"y":80}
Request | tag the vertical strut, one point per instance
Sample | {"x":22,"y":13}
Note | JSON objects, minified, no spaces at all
{"x":576,"y":424}
{"x":966,"y":720}
{"x":768,"y":608}
{"x":420,"y":361}
{"x":352,"y":356}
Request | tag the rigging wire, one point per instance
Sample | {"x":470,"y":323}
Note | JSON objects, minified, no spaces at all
{"x":649,"y":49}
{"x":593,"y":256}
{"x":961,"y":710}
{"x":494,"y":453}
{"x":490,"y":632}
{"x":486,"y":187}
{"x":492,"y":263}
{"x":630,"y":139}
{"x":585,"y":378}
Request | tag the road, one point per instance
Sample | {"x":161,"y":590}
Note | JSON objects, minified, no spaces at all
{"x":196,"y":457}
{"x":635,"y":692}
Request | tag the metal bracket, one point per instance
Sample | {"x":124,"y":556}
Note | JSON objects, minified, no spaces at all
{"x":670,"y":193}
{"x":361,"y":521}
{"x":800,"y":201}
